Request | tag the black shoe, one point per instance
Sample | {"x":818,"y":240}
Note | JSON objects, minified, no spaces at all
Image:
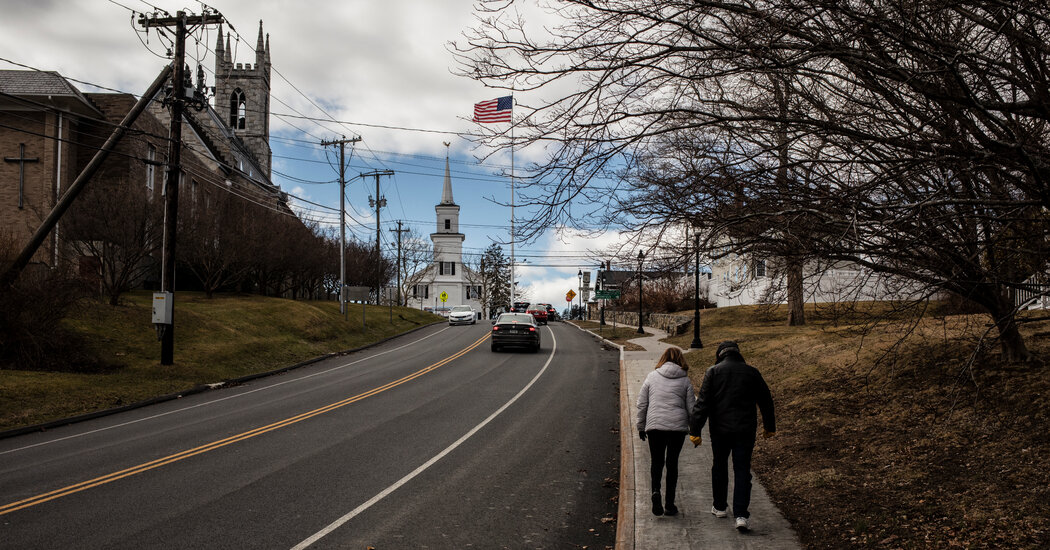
{"x":657,"y":509}
{"x":671,"y":509}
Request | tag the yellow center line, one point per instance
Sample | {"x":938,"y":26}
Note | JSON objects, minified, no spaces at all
{"x":102,"y":480}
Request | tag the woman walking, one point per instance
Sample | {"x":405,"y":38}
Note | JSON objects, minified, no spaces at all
{"x":664,"y":402}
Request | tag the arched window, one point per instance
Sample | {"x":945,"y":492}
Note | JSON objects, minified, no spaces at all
{"x":238,"y":110}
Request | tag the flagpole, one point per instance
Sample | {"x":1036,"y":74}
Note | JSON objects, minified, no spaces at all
{"x":512,"y":284}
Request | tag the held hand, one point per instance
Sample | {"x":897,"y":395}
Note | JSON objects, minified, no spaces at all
{"x":767,"y":434}
{"x":697,"y":440}
{"x":641,"y":435}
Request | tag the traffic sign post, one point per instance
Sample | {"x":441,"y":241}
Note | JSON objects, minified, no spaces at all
{"x":570,"y":295}
{"x":443,"y":296}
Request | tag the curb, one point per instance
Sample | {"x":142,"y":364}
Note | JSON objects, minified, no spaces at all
{"x":194,"y":390}
{"x":625,"y":506}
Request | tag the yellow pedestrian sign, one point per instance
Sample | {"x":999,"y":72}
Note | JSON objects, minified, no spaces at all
{"x":570,"y":295}
{"x":443,"y":296}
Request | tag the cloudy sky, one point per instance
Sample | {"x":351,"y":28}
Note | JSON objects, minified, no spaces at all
{"x":378,"y":70}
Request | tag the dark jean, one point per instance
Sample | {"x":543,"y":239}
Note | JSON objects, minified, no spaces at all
{"x":741,"y":446}
{"x":664,"y":448}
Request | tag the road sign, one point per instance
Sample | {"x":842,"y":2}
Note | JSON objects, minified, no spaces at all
{"x":570,"y":295}
{"x":607,"y":294}
{"x":443,"y":296}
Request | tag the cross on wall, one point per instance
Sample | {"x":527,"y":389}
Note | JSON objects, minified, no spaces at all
{"x":21,"y":160}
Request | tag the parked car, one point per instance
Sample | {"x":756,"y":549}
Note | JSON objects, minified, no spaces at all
{"x":539,"y":313}
{"x":519,"y":307}
{"x":462,"y":315}
{"x":516,"y":330}
{"x":442,"y":311}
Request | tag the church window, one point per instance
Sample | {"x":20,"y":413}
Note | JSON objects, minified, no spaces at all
{"x":238,"y":110}
{"x":448,"y":224}
{"x":421,"y":291}
{"x":760,"y":268}
{"x":151,"y":157}
{"x":446,"y":268}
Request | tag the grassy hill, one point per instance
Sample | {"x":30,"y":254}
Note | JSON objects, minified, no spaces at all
{"x":906,"y":434}
{"x":111,"y":356}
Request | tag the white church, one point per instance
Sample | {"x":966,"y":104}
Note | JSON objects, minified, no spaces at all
{"x":447,"y":274}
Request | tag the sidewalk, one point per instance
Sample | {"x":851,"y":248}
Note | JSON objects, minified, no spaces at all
{"x":694,"y":527}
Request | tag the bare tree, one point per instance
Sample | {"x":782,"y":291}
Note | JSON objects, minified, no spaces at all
{"x":417,"y":261}
{"x":115,"y":228}
{"x":907,"y":138}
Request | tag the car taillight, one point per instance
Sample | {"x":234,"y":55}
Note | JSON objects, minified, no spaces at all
{"x":532,"y":329}
{"x":494,"y":327}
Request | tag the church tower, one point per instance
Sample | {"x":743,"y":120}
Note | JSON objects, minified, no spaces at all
{"x":242,"y":96}
{"x":448,"y":241}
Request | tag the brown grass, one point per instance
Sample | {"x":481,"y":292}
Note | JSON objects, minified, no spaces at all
{"x":230,"y":336}
{"x":889,"y":437}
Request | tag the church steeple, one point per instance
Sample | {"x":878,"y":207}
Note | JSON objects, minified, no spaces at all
{"x":446,"y":192}
{"x":448,"y":241}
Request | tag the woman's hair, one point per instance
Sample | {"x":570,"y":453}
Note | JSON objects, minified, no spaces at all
{"x":674,"y":355}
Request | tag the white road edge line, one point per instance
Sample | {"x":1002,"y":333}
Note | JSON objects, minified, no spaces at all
{"x":213,"y":401}
{"x":385,"y":492}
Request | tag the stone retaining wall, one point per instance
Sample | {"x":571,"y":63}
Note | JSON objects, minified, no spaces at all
{"x":673,"y":325}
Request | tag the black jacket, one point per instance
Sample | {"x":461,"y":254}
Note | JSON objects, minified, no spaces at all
{"x":728,"y":396}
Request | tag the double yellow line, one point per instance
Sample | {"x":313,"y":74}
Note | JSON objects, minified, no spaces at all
{"x":84,"y":485}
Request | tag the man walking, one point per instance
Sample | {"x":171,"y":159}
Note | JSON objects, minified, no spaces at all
{"x":728,"y":396}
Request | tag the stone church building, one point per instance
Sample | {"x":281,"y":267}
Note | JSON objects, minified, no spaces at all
{"x":50,"y":130}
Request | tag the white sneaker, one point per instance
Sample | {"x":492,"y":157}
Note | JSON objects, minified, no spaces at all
{"x":743,"y":524}
{"x":718,"y":513}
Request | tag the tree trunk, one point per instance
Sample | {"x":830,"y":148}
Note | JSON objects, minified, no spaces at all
{"x":795,"y":297}
{"x":1011,"y":343}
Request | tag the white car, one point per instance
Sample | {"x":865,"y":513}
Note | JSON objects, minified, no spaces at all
{"x":462,"y":315}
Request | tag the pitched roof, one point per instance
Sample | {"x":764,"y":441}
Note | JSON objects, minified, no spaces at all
{"x":48,"y":84}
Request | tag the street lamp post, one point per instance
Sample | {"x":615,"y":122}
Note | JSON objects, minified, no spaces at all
{"x":696,"y":300}
{"x":641,"y":256}
{"x":580,"y":288}
{"x":602,"y":278}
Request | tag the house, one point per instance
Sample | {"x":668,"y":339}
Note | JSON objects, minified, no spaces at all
{"x":743,"y":280}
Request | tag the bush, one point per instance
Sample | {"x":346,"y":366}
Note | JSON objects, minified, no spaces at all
{"x":31,"y":311}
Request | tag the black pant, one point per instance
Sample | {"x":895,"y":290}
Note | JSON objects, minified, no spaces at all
{"x":664,"y":448}
{"x":740,"y":445}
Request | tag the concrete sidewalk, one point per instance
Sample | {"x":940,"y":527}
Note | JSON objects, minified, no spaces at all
{"x":694,"y":527}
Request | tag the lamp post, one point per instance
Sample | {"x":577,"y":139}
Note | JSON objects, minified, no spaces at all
{"x":602,"y":279}
{"x":696,"y":300}
{"x":641,"y":256}
{"x":580,"y":288}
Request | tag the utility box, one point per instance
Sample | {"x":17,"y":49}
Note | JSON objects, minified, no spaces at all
{"x":162,"y":306}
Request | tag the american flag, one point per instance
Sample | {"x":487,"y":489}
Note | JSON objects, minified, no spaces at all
{"x":494,"y":110}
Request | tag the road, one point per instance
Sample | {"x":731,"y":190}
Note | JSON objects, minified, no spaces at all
{"x":426,"y":441}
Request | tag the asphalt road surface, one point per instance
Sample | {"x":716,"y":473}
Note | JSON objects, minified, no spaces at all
{"x":427,"y":441}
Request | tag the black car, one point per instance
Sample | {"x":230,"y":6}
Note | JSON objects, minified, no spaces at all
{"x":519,"y":307}
{"x":516,"y":330}
{"x":552,"y":314}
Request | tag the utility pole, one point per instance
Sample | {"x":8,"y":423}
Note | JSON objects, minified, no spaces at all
{"x":181,"y":87}
{"x":342,"y":216}
{"x":378,"y":202}
{"x":399,"y":231}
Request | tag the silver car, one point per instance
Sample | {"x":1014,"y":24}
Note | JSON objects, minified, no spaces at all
{"x":462,"y":315}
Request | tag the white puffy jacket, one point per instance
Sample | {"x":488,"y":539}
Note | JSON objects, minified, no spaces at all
{"x":665,"y":399}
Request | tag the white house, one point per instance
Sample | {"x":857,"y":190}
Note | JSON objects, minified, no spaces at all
{"x":738,"y":280}
{"x":448,"y":273}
